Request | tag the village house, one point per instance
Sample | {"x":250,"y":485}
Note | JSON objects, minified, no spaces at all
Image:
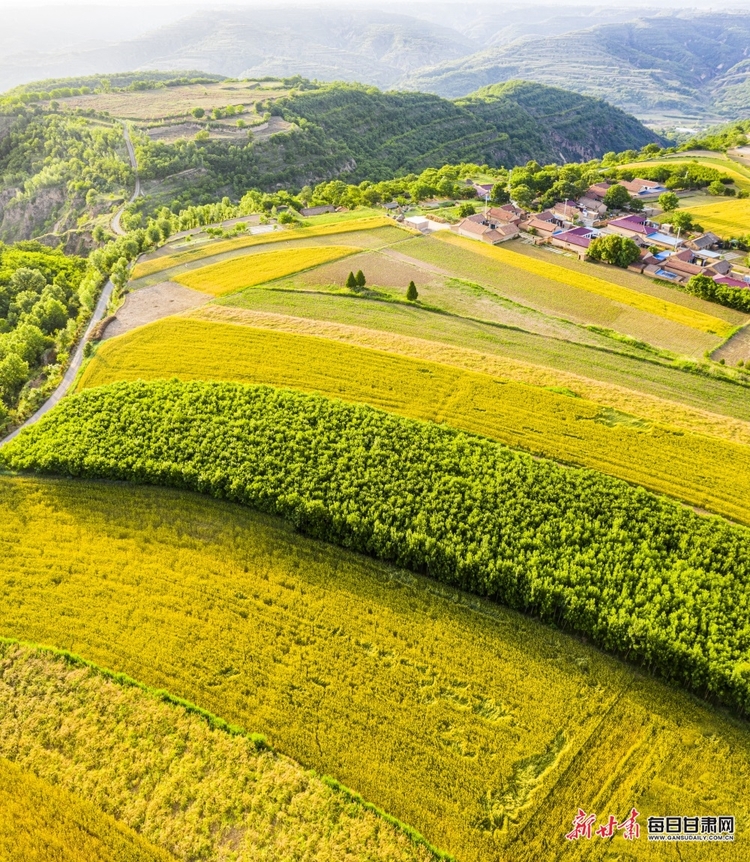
{"x":591,"y":208}
{"x":639,"y":188}
{"x":319,"y":210}
{"x":704,"y":241}
{"x":577,"y":240}
{"x":507,"y":214}
{"x":597,"y":191}
{"x":487,"y":229}
{"x":729,"y":281}
{"x":483,"y":190}
{"x":643,"y":231}
{"x":542,"y":225}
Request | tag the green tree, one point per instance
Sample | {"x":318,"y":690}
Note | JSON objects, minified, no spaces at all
{"x":50,"y":315}
{"x":198,"y":113}
{"x":360,"y":279}
{"x":466,"y":210}
{"x":615,"y":249}
{"x":617,"y":197}
{"x":351,"y":281}
{"x":523,"y":195}
{"x":683,"y":221}
{"x":411,"y":292}
{"x":717,"y":188}
{"x":500,"y":194}
{"x":98,"y":233}
{"x":14,"y":372}
{"x":668,"y":201}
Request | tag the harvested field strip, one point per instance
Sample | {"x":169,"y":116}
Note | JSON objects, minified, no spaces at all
{"x":652,"y":376}
{"x":186,"y":784}
{"x":40,"y":821}
{"x":620,"y":398}
{"x":704,"y":471}
{"x":642,"y":301}
{"x":157,"y":264}
{"x":241,"y":272}
{"x":728,"y":217}
{"x":432,"y":703}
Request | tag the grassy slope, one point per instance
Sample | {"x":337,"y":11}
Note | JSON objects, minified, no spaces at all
{"x":459,"y":717}
{"x":706,"y":472}
{"x":199,"y":791}
{"x":726,"y":217}
{"x":40,"y":822}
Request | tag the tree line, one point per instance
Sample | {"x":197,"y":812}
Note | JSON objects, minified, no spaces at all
{"x":636,"y":573}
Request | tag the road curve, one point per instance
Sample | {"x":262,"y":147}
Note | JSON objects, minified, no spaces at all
{"x":115,"y":223}
{"x":99,"y":311}
{"x":73,"y":367}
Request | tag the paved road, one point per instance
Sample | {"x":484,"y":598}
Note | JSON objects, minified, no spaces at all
{"x":116,"y":226}
{"x":73,"y":368}
{"x":99,"y":312}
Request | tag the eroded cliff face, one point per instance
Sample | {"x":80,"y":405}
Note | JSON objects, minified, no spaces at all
{"x":24,"y":217}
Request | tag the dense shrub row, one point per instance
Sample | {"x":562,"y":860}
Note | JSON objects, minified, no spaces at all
{"x":639,"y":574}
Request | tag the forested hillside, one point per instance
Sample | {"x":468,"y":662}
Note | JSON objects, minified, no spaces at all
{"x":63,"y":161}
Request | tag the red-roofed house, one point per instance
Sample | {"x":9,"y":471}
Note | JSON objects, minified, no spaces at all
{"x":578,"y":239}
{"x":642,"y":188}
{"x":486,"y":230}
{"x":731,"y":282}
{"x":597,"y":191}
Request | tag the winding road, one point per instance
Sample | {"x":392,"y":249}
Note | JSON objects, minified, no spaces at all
{"x":99,"y":311}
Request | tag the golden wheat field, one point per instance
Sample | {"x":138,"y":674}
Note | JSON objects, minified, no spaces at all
{"x":162,"y":262}
{"x":41,"y":822}
{"x":481,"y":728}
{"x":641,"y":301}
{"x":704,"y":471}
{"x":241,"y":272}
{"x":195,"y":791}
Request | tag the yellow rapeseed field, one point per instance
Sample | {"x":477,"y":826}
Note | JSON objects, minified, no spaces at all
{"x":660,"y":409}
{"x":705,"y":471}
{"x":157,"y":264}
{"x":197,"y":792}
{"x":727,"y":217}
{"x":41,"y":822}
{"x":240,"y":272}
{"x":642,"y":301}
{"x":481,"y":728}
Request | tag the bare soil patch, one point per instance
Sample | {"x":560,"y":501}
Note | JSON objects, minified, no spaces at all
{"x":153,"y":303}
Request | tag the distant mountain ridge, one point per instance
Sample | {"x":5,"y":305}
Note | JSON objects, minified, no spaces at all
{"x":695,"y":66}
{"x":651,"y":63}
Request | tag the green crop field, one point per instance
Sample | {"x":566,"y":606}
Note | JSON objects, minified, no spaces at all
{"x":40,"y":821}
{"x":480,"y":727}
{"x":704,"y":471}
{"x":238,"y":273}
{"x":739,"y":173}
{"x":191,"y":786}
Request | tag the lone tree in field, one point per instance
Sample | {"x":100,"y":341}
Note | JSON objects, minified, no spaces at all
{"x":669,"y":201}
{"x":351,"y":281}
{"x":617,"y":197}
{"x":411,"y":292}
{"x":360,"y":278}
{"x":615,"y":249}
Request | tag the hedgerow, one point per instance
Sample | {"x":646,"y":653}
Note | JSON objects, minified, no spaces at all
{"x":638,"y":574}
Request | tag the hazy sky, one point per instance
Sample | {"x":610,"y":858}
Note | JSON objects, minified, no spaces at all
{"x":9,"y":5}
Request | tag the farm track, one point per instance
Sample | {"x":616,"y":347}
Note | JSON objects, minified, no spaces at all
{"x":115,"y":224}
